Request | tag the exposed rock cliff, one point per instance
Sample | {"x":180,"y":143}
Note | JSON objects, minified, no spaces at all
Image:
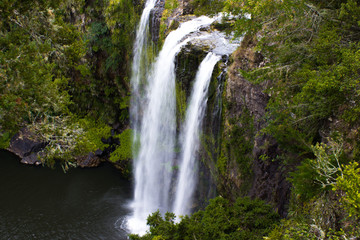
{"x":243,"y":97}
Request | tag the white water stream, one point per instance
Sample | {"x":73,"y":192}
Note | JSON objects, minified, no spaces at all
{"x":154,"y":162}
{"x":140,"y":66}
{"x":189,"y":136}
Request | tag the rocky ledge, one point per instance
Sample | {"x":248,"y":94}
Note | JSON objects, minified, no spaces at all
{"x":27,"y":145}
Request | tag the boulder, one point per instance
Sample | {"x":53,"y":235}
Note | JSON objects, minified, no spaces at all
{"x":99,"y":153}
{"x":90,"y":160}
{"x":31,"y":159}
{"x":26,"y":145}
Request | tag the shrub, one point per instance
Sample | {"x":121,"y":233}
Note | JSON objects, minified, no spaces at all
{"x":221,"y":219}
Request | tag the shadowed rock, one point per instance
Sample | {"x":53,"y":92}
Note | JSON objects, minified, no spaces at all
{"x":90,"y":160}
{"x":27,"y":146}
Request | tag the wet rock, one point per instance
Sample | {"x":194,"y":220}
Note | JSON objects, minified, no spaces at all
{"x":26,"y":145}
{"x":155,"y":18}
{"x":112,"y":132}
{"x":90,"y":160}
{"x":31,"y":159}
{"x":99,"y":153}
{"x":107,"y":140}
{"x":111,"y":141}
{"x":186,"y":7}
{"x":116,"y":127}
{"x":116,"y":141}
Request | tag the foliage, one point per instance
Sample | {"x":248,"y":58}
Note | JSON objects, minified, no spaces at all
{"x":123,"y":154}
{"x":100,"y":91}
{"x":316,"y":219}
{"x":244,"y":219}
{"x":327,"y":162}
{"x":290,"y":229}
{"x":90,"y":141}
{"x":241,"y":141}
{"x":236,"y":146}
{"x":207,"y":7}
{"x":67,"y":138}
{"x":5,"y":140}
{"x":320,"y":173}
{"x":56,"y":73}
{"x":124,"y":151}
{"x":121,"y":19}
{"x":169,"y":8}
{"x":312,"y":64}
{"x":349,"y":184}
{"x":311,"y":75}
{"x":305,"y":186}
{"x":296,"y":230}
{"x":180,"y":103}
{"x":37,"y":50}
{"x":60,"y":137}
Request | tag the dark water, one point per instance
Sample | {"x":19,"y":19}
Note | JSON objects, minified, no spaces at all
{"x":41,"y":203}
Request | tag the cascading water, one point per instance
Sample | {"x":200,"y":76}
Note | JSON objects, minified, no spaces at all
{"x":139,"y":68}
{"x":189,"y":137}
{"x":154,"y":162}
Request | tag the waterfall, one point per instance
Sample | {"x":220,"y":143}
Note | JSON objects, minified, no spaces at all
{"x":157,"y":128}
{"x":139,"y":68}
{"x":189,"y":136}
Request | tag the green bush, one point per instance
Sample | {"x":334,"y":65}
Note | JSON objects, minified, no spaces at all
{"x":221,"y":219}
{"x":90,"y":141}
{"x":124,"y":151}
{"x":349,"y":184}
{"x":318,"y":174}
{"x":69,"y":138}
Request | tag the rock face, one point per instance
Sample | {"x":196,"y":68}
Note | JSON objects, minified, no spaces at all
{"x":27,"y":146}
{"x":268,"y":181}
{"x":155,"y":18}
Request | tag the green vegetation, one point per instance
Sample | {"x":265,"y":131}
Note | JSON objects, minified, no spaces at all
{"x":124,"y":151}
{"x":349,"y":184}
{"x":206,"y":7}
{"x":34,"y":61}
{"x":237,"y":143}
{"x":313,"y":65}
{"x":318,"y":174}
{"x":243,"y":219}
{"x":64,"y":72}
{"x":180,"y":103}
{"x":240,"y":141}
{"x":68,"y":138}
{"x":169,"y":7}
{"x":311,"y":51}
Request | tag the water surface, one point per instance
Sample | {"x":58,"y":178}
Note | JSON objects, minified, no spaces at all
{"x":42,"y":203}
